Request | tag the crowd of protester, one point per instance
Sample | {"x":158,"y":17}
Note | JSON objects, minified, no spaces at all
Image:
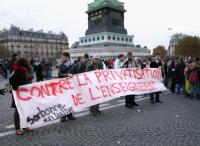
{"x":180,"y":75}
{"x":41,"y":67}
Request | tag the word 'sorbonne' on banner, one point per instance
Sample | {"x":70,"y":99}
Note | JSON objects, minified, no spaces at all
{"x":41,"y":102}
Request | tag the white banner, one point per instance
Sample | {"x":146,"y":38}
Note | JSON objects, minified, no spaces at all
{"x":39,"y":103}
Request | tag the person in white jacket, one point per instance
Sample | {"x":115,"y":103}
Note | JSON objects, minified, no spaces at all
{"x":119,"y":62}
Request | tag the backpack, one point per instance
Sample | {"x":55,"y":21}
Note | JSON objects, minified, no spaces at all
{"x":193,"y":78}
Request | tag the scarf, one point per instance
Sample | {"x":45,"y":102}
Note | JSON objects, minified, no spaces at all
{"x":25,"y":69}
{"x":68,"y":63}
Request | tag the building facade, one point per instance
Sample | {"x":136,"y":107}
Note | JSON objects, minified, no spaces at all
{"x":106,"y":35}
{"x":31,"y":44}
{"x":174,"y":41}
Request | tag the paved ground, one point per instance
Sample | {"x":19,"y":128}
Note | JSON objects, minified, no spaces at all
{"x":175,"y":122}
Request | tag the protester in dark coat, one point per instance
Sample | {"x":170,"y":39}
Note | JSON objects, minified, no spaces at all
{"x":66,"y":69}
{"x":96,"y":64}
{"x":48,"y":69}
{"x":12,"y":62}
{"x":39,"y":70}
{"x":172,"y":76}
{"x":80,"y":66}
{"x":180,"y":77}
{"x":21,"y":75}
{"x":130,"y":63}
{"x":165,"y":70}
{"x":86,"y":61}
{"x":155,"y":63}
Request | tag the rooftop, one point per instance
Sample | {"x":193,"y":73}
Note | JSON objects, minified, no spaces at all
{"x":99,"y":4}
{"x":16,"y":31}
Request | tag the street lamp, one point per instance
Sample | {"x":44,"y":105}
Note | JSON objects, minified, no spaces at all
{"x":169,"y":40}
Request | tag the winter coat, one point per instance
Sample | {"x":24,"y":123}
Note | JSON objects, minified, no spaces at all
{"x":180,"y":77}
{"x":65,"y":68}
{"x":127,"y":64}
{"x":16,"y":81}
{"x":80,"y":67}
{"x":92,"y":67}
{"x":172,"y":72}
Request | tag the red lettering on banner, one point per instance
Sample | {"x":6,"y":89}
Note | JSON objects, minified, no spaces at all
{"x":107,"y":91}
{"x":111,"y":72}
{"x":148,"y":72}
{"x":159,"y":74}
{"x":125,"y":74}
{"x":98,"y":75}
{"x":135,"y":85}
{"x":132,"y":88}
{"x":79,"y":82}
{"x":103,"y":91}
{"x":129,"y":70}
{"x":119,"y":75}
{"x":54,"y":86}
{"x":110,"y":90}
{"x":62,"y":85}
{"x":127,"y":84}
{"x":77,"y":99}
{"x":87,"y":79}
{"x":69,"y":83}
{"x":154,"y":74}
{"x":19,"y":95}
{"x":114,"y":85}
{"x":142,"y":86}
{"x":92,"y":95}
{"x":35,"y":89}
{"x":139,"y":73}
{"x":106,"y":75}
{"x":124,"y":88}
{"x":84,"y":81}
{"x":44,"y":90}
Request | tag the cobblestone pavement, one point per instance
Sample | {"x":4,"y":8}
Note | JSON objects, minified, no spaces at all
{"x":175,"y":122}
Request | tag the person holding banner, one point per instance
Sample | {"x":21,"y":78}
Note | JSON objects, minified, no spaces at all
{"x":66,"y":69}
{"x":119,"y":62}
{"x":129,"y":63}
{"x":155,"y":63}
{"x":21,"y":75}
{"x":95,"y":65}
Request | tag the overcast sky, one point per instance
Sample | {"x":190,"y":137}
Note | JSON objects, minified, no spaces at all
{"x":148,"y":20}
